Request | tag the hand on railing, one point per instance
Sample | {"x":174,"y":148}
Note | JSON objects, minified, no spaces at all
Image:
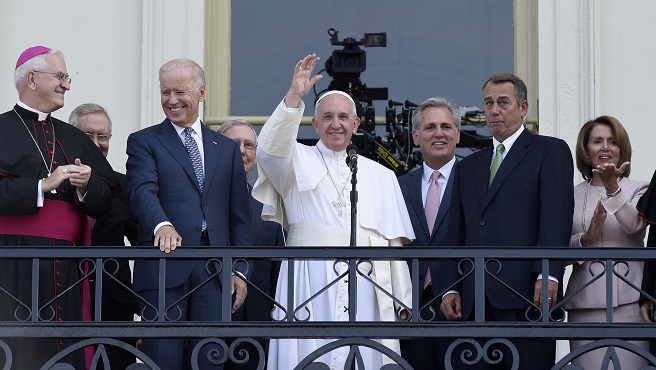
{"x":451,"y":306}
{"x":553,"y":293}
{"x":646,"y":311}
{"x":239,"y":290}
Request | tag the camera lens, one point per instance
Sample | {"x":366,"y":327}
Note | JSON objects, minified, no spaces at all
{"x":350,"y":62}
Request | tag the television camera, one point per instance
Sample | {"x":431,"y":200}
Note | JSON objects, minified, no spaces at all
{"x":394,"y":149}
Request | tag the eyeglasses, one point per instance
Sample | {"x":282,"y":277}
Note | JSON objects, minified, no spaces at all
{"x":60,"y":76}
{"x":102,"y":138}
{"x":249,"y":145}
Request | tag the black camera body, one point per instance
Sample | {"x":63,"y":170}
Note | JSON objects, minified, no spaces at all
{"x":351,"y":61}
{"x":345,"y":67}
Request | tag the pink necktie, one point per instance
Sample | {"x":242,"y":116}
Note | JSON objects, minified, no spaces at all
{"x":431,"y":208}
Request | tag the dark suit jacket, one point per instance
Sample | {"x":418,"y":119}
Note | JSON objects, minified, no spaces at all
{"x":529,"y":203}
{"x":118,"y":303}
{"x":647,"y":208}
{"x":264,"y":274}
{"x":110,"y":230}
{"x":162,"y":186}
{"x":411,"y":188}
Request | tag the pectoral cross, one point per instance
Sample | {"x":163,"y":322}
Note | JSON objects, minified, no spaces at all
{"x":339,"y":204}
{"x":53,"y":191}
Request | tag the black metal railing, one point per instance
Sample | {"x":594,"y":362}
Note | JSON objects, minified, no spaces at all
{"x":100,"y":263}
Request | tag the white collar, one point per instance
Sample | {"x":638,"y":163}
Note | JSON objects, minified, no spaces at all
{"x":508,"y":143}
{"x":328,"y":152}
{"x":197,"y":126}
{"x":42,"y":116}
{"x":445,"y":170}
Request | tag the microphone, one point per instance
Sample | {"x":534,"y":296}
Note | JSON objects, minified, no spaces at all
{"x":352,"y":155}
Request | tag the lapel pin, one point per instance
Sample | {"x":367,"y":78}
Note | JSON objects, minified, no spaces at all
{"x":214,"y":142}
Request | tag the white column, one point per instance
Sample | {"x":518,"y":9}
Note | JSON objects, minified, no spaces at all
{"x":569,"y":66}
{"x":171,"y":29}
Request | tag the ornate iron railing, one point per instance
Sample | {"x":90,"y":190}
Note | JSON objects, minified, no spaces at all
{"x":477,"y":336}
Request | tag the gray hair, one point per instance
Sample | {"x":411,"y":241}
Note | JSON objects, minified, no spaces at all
{"x":438,"y":102}
{"x":88,"y":108}
{"x":235,"y":122}
{"x":37,"y":63}
{"x":175,"y":64}
{"x":521,"y":93}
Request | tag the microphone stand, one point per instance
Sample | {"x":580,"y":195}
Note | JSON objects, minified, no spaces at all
{"x":353,"y":264}
{"x":353,"y":165}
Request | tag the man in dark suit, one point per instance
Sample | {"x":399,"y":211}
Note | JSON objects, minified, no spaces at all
{"x":187,"y":187}
{"x":436,"y":130}
{"x":647,"y":208}
{"x":517,"y":193}
{"x":111,"y":229}
{"x":257,"y":306}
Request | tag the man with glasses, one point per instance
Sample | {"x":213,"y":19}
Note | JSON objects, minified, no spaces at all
{"x":111,"y":229}
{"x":257,"y":306}
{"x":51,"y":179}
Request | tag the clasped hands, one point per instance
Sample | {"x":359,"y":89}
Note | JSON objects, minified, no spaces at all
{"x":78,"y":174}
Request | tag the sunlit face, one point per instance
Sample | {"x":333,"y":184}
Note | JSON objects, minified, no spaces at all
{"x":49,"y":89}
{"x":437,"y":136}
{"x":245,"y":136}
{"x":180,"y":96}
{"x":502,"y":112}
{"x":96,"y":126}
{"x":335,"y":122}
{"x":602,"y":147}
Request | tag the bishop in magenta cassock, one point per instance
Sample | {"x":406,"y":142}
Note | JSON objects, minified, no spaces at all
{"x":51,"y":178}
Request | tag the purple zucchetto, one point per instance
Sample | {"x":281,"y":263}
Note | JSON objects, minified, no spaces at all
{"x":31,"y":53}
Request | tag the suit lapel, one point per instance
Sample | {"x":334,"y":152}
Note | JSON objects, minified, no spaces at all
{"x":172,"y":142}
{"x":514,"y":156}
{"x":416,"y":201}
{"x":482,"y":174}
{"x":211,"y":148}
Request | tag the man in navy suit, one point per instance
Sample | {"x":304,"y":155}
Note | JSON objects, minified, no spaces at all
{"x":257,"y":306}
{"x":516,"y":193}
{"x":187,"y":187}
{"x":436,"y":131}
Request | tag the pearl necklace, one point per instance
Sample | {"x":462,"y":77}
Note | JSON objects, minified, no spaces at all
{"x":38,"y":149}
{"x":585,"y":208}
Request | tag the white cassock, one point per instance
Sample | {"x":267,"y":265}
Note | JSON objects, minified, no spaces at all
{"x":306,"y":189}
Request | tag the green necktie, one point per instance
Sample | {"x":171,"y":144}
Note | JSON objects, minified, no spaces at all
{"x":498,"y":158}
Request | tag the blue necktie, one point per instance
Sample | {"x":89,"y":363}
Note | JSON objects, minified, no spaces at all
{"x":194,"y":155}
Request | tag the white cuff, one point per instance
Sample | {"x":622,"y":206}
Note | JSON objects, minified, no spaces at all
{"x":39,"y":195}
{"x":550,"y":278}
{"x":163,"y":223}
